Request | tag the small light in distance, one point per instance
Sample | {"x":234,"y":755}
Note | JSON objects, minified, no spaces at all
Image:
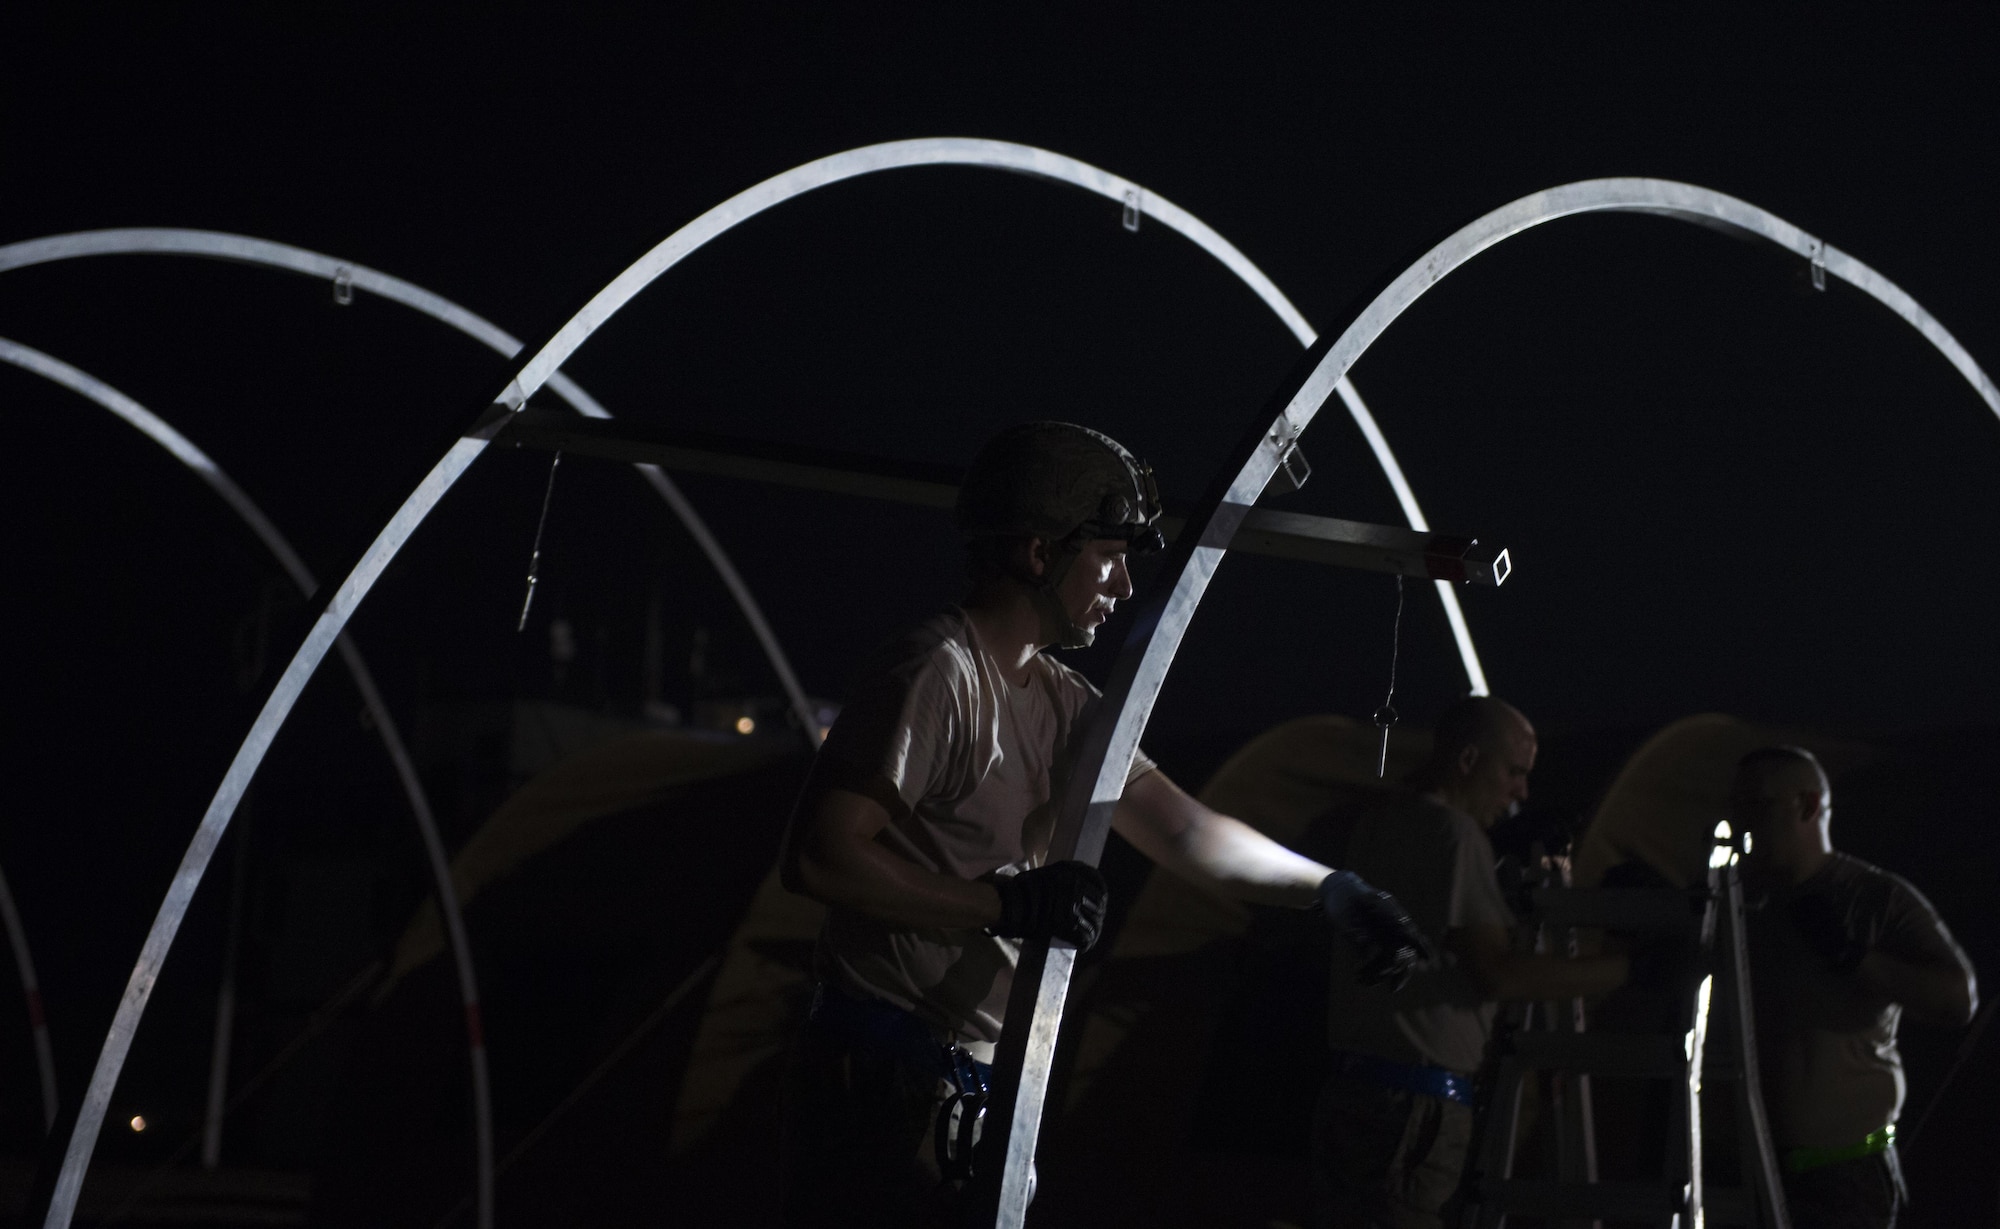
{"x":745,"y":725}
{"x":138,"y":1122}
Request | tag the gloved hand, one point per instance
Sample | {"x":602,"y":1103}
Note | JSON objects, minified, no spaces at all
{"x":1063,"y":900}
{"x":1387,"y":944}
{"x":1821,"y":925}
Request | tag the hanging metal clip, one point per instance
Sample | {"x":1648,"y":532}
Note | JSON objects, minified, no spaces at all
{"x":1293,"y":468}
{"x":962,"y":1116}
{"x":1816,"y":253}
{"x":535,"y":558}
{"x":343,"y":286}
{"x":1132,"y":210}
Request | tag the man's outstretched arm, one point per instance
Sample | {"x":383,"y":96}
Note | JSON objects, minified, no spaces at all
{"x":1223,"y":854}
{"x":1230,"y":857}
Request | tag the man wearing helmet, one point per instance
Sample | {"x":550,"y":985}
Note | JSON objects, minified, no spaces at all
{"x":925,"y":825}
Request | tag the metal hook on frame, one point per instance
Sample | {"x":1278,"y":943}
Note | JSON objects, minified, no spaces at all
{"x":1293,"y":468}
{"x":343,"y":286}
{"x":1816,"y":254}
{"x":535,"y":557}
{"x":1132,"y":210}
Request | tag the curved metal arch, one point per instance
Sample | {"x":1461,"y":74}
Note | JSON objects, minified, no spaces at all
{"x":942,"y":151}
{"x":1035,"y":1010}
{"x":931,"y":151}
{"x":1027,"y":160}
{"x":154,"y":428}
{"x":542,"y":370}
{"x":1142,"y":666}
{"x":245,"y":249}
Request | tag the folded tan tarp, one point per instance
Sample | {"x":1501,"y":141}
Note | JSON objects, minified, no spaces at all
{"x":605,"y":780}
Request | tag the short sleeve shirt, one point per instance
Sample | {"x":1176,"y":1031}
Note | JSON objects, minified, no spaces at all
{"x":978,"y":765}
{"x":1827,"y":1049}
{"x":1437,"y":861}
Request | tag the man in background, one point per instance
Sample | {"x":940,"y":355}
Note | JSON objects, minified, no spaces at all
{"x":1395,"y":1120}
{"x":1839,"y":950}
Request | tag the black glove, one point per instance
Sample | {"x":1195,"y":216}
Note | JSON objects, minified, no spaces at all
{"x":1063,"y":900}
{"x":1387,"y":944}
{"x":1821,"y":924}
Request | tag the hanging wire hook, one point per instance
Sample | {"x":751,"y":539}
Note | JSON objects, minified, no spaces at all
{"x":535,"y":559}
{"x":1386,"y":715}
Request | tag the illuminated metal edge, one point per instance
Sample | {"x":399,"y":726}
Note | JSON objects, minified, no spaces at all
{"x":544,"y":369}
{"x":31,"y":994}
{"x":1034,"y":1012}
{"x":1766,"y":1191}
{"x":244,"y":249}
{"x":187,"y":453}
{"x":1149,"y":651}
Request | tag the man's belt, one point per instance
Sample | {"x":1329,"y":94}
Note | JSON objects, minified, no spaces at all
{"x":1429,"y":1081}
{"x":1804,"y":1160}
{"x":885,"y":1030}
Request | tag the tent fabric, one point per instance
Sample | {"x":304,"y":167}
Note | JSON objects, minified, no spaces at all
{"x":756,"y":1003}
{"x":605,"y":780}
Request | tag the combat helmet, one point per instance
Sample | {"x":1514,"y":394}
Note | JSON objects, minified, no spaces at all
{"x":1065,"y":484}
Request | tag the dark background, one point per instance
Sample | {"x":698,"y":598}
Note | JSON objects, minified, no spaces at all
{"x":1723,"y":490}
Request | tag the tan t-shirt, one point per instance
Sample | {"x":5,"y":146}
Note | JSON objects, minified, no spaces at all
{"x":1832,"y":1073}
{"x":1439,"y":864}
{"x":979,"y":766}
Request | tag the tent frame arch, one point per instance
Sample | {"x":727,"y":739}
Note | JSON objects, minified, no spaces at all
{"x":1142,"y":666}
{"x":156,"y":429}
{"x":1042,"y":979}
{"x":346,"y":277}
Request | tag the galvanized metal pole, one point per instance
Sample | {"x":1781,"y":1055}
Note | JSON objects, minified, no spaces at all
{"x":225,"y":1006}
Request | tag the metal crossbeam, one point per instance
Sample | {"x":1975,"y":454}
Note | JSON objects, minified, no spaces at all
{"x":1282,"y":535}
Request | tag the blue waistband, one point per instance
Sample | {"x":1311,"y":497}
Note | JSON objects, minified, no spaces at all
{"x":887,"y":1031}
{"x":1405,"y":1077}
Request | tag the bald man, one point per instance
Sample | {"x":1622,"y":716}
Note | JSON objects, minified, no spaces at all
{"x":1395,"y":1120}
{"x":1839,"y":951}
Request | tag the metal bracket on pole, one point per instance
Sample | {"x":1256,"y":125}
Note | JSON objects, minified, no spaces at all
{"x":1293,"y":468}
{"x":343,"y":286}
{"x":1817,"y":257}
{"x":1132,"y":210}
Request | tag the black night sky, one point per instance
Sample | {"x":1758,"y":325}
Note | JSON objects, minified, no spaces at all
{"x":1723,"y":489}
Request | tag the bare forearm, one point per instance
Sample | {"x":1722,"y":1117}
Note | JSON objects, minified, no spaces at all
{"x":863,"y":876}
{"x":1946,"y":995}
{"x":1236,"y":860}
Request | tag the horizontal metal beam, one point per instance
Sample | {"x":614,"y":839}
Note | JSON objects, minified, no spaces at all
{"x":1281,"y":535}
